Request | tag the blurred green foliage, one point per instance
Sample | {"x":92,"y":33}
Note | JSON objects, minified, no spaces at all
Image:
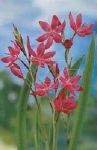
{"x":9,"y":94}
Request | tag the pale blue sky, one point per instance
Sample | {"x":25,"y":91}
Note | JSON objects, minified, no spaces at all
{"x":26,"y":14}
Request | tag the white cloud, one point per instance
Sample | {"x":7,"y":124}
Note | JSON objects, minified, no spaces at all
{"x":61,"y":6}
{"x":10,"y":10}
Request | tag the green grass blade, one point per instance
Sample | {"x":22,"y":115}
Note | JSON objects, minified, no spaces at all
{"x":83,"y":97}
{"x":73,"y":70}
{"x":21,"y":113}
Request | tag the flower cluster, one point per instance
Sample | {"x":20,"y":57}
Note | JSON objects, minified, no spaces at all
{"x":64,"y":99}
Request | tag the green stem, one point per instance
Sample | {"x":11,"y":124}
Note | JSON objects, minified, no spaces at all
{"x":68,"y":130}
{"x":54,"y":131}
{"x":38,"y":132}
{"x":42,"y":126}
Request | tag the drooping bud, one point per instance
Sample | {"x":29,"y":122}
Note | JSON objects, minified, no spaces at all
{"x":68,"y":43}
{"x":15,"y":69}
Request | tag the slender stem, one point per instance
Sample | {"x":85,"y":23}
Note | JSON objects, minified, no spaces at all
{"x":68,"y":131}
{"x":23,"y":63}
{"x":43,"y":130}
{"x":38,"y":132}
{"x":54,"y":131}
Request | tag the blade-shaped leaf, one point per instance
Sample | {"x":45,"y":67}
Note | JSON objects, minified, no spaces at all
{"x":73,"y":70}
{"x":21,"y":112}
{"x":83,"y":97}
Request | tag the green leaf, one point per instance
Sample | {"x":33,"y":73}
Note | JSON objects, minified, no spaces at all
{"x":83,"y":97}
{"x":73,"y":70}
{"x":21,"y":112}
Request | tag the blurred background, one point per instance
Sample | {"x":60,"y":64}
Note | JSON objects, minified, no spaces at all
{"x":25,"y":15}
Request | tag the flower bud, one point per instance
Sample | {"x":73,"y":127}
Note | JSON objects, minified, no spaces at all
{"x":68,"y":43}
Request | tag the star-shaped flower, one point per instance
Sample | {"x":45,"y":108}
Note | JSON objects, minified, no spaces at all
{"x":70,"y":83}
{"x":63,"y":104}
{"x":79,"y":28}
{"x":40,"y":57}
{"x":52,"y":31}
{"x":44,"y":88}
{"x":13,"y":54}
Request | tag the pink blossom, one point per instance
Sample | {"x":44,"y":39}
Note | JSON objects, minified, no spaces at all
{"x":63,"y":104}
{"x":44,"y":88}
{"x":70,"y":83}
{"x":40,"y":57}
{"x":13,"y":54}
{"x":52,"y":31}
{"x":79,"y":28}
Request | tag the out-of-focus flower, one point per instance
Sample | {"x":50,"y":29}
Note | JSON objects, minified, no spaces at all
{"x":16,"y":70}
{"x":13,"y":54}
{"x":44,"y":88}
{"x":70,"y":83}
{"x":63,"y":104}
{"x":79,"y":28}
{"x":40,"y":57}
{"x":68,"y":43}
{"x":52,"y":31}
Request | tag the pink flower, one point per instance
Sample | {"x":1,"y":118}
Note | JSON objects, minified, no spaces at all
{"x":40,"y":57}
{"x":13,"y":54}
{"x":44,"y":88}
{"x":52,"y":31}
{"x":15,"y":69}
{"x":79,"y":28}
{"x":70,"y":83}
{"x":63,"y":104}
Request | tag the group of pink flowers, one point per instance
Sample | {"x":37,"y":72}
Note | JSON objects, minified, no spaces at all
{"x":62,"y":102}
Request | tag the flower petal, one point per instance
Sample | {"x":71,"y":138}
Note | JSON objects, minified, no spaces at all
{"x":49,"y":62}
{"x":47,"y":81}
{"x":57,"y":38}
{"x":49,"y":55}
{"x":66,"y":74}
{"x":61,"y":27}
{"x":49,"y":42}
{"x":45,"y":26}
{"x":39,"y":86}
{"x":6,"y":59}
{"x":55,"y":22}
{"x":40,"y":50}
{"x":72,"y":23}
{"x":30,"y":50}
{"x":78,"y":20}
{"x":42,"y":38}
{"x":75,"y":79}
